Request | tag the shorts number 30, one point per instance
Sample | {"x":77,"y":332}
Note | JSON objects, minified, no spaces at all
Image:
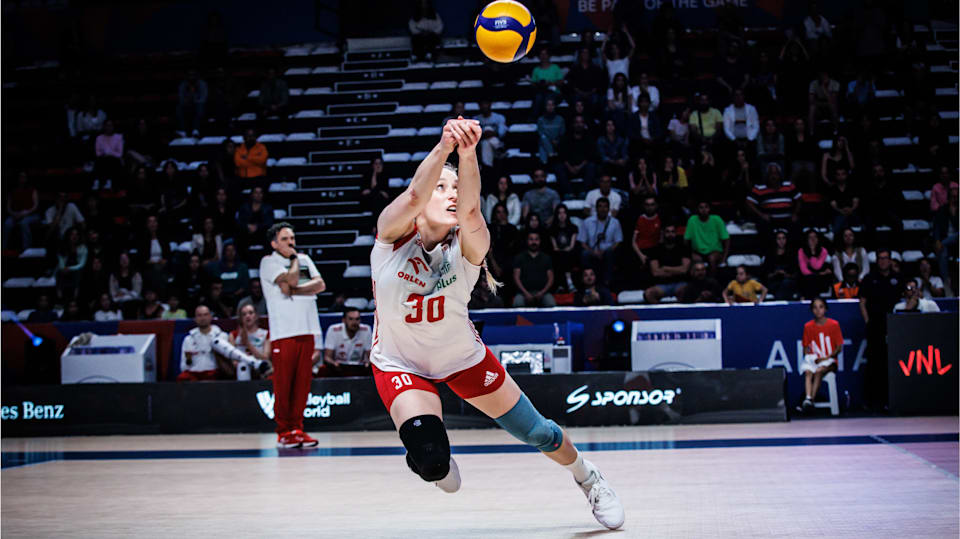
{"x":402,"y":380}
{"x":434,"y":309}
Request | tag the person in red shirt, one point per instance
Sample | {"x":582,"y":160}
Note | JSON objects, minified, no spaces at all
{"x":646,"y":234}
{"x":822,"y":343}
{"x":251,"y":157}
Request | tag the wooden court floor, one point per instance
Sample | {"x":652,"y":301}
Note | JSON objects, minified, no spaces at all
{"x":876,"y":477}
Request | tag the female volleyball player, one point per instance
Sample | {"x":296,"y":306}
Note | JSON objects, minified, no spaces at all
{"x":431,"y":242}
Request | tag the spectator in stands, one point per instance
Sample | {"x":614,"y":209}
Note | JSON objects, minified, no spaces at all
{"x":151,"y":308}
{"x":142,"y":146}
{"x":143,"y":197}
{"x":585,"y":80}
{"x":95,"y":281}
{"x":643,"y":180}
{"x":192,"y":281}
{"x":548,"y":78}
{"x":274,"y":95}
{"x":776,"y":202}
{"x":250,"y":157}
{"x":504,"y":239}
{"x":744,"y":289}
{"x":881,"y":205}
{"x":533,"y":275}
{"x":914,"y":302}
{"x":823,"y":93}
{"x":578,"y":153}
{"x":844,"y":200}
{"x":153,"y":249}
{"x":198,"y":361}
{"x":678,"y":134}
{"x":770,"y":146}
{"x":174,"y":197}
{"x":224,"y":167}
{"x":208,"y":243}
{"x":708,"y":237}
{"x":590,"y":294}
{"x":848,"y":287}
{"x":233,"y":274}
{"x":96,"y":219}
{"x":780,"y":268}
{"x":225,"y":99}
{"x":740,"y":120}
{"x":88,"y":121}
{"x":425,"y":26}
{"x":940,"y":192}
{"x":705,"y":122}
{"x":533,"y":224}
{"x":255,"y":218}
{"x":256,"y":298}
{"x":945,"y":233}
{"x":589,"y":118}
{"x":822,"y":344}
{"x":224,"y":216}
{"x":249,"y":337}
{"x":374,"y":195}
{"x":215,"y":300}
{"x":700,"y":288}
{"x":861,"y":93}
{"x":44,"y":312}
{"x":733,"y":73}
{"x":603,"y":190}
{"x":930,"y":285}
{"x":599,"y":237}
{"x":505,"y":195}
{"x":106,"y":310}
{"x":191,"y":104}
{"x":109,"y":151}
{"x":934,"y":140}
{"x":125,"y":282}
{"x":73,"y":313}
{"x":643,"y":86}
{"x":541,"y":200}
{"x":551,"y":128}
{"x":879,"y":293}
{"x":70,"y":263}
{"x":645,"y":129}
{"x":494,"y":127}
{"x":346,"y":348}
{"x":839,"y":156}
{"x":736,"y":182}
{"x":619,"y":102}
{"x":647,"y":231}
{"x":816,"y":27}
{"x":483,"y":298}
{"x":174,"y":310}
{"x":672,"y":188}
{"x":673,"y":61}
{"x":802,"y":153}
{"x":22,"y":204}
{"x":669,"y":264}
{"x":849,"y":251}
{"x":618,"y":61}
{"x":815,"y":274}
{"x":612,"y":149}
{"x":62,"y":216}
{"x":563,"y":239}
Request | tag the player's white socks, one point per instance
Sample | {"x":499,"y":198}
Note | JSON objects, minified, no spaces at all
{"x":451,"y":483}
{"x":580,"y":468}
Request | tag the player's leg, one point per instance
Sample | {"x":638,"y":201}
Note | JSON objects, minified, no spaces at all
{"x":808,"y":384}
{"x":414,"y":406}
{"x":284,"y":358}
{"x":300,"y":387}
{"x":491,"y":390}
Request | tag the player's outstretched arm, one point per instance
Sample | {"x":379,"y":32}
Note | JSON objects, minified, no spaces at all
{"x":396,"y":220}
{"x":474,"y":235}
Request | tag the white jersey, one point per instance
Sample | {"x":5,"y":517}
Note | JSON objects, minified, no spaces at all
{"x":348,"y":350}
{"x":421,"y":323}
{"x":257,"y":339}
{"x":201,"y":345}
{"x":289,"y":316}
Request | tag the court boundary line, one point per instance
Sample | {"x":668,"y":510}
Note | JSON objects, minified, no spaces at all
{"x":16,"y":459}
{"x":916,"y":456}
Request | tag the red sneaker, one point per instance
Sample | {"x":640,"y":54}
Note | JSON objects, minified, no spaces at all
{"x":288,"y":440}
{"x":305,"y":439}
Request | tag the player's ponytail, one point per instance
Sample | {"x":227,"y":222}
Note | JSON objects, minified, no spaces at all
{"x":492,"y":283}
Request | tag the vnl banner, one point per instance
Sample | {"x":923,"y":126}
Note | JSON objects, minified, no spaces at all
{"x":590,"y":399}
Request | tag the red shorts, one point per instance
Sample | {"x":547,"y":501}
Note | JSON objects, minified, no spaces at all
{"x":481,"y":379}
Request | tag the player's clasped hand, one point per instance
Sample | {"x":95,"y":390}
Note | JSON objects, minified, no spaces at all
{"x":461,"y":134}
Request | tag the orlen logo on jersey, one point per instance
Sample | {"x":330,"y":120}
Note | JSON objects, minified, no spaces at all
{"x":924,"y":363}
{"x":578,"y":398}
{"x":317,"y":405}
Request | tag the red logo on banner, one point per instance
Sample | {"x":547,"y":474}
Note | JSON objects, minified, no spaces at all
{"x":924,"y":363}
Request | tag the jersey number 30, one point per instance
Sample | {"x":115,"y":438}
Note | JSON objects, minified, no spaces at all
{"x":434,"y":309}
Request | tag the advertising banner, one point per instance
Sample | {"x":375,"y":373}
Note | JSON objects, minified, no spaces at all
{"x":922,"y":366}
{"x":676,"y":345}
{"x":588,"y":399}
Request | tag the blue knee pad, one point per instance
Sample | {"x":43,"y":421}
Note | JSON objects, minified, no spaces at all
{"x":526,"y":424}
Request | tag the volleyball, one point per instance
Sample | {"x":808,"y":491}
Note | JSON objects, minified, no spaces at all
{"x":505,"y":31}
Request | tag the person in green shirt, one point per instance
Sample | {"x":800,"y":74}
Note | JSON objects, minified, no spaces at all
{"x":708,"y":237}
{"x":548,"y":78}
{"x":175,"y":311}
{"x":705,"y":122}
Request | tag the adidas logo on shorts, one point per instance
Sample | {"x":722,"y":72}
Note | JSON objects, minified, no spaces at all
{"x":491,"y":378}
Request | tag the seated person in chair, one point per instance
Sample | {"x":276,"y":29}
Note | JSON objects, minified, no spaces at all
{"x":822,"y":343}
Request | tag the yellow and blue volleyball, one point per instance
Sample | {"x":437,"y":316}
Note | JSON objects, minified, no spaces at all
{"x":505,"y":31}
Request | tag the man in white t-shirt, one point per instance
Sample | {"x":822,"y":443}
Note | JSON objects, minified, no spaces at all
{"x":290,"y":284}
{"x":913,"y":301}
{"x":347,"y":346}
{"x":197,"y":359}
{"x":603,"y":190}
